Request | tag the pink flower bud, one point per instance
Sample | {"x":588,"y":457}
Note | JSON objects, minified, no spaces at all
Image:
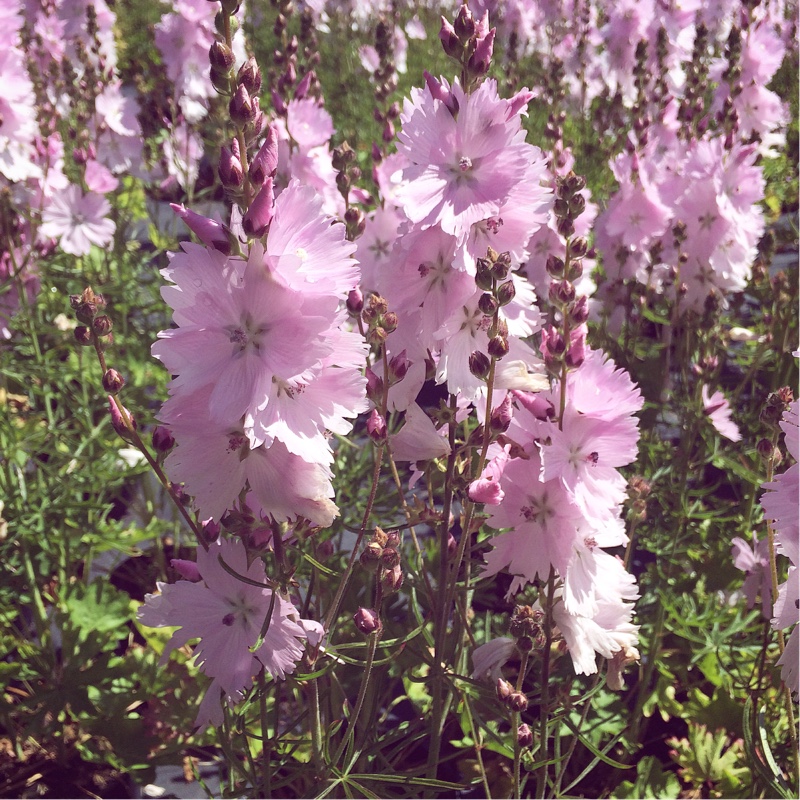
{"x":163,"y":440}
{"x":209,"y":232}
{"x":265,"y":163}
{"x":449,"y":39}
{"x":376,"y":427}
{"x":374,"y":385}
{"x":500,"y":418}
{"x":398,"y":367}
{"x":480,"y":60}
{"x":117,"y":421}
{"x":230,"y":167}
{"x":302,"y":88}
{"x":541,"y":408}
{"x":438,"y":92}
{"x":278,"y":104}
{"x":186,"y":569}
{"x":367,"y":620}
{"x":257,"y":218}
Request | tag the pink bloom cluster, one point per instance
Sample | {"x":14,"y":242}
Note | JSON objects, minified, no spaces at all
{"x":464,"y":179}
{"x":558,"y":502}
{"x":228,"y":616}
{"x":708,"y":189}
{"x":264,"y":366}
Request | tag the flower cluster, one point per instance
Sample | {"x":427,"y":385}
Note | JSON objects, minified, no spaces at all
{"x":560,"y":500}
{"x":263,"y":365}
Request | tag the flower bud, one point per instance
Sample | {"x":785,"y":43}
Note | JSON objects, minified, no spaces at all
{"x":524,"y":736}
{"x":102,"y":325}
{"x":370,"y":557}
{"x":500,"y":418}
{"x":488,"y":304}
{"x":398,"y":367}
{"x":265,"y":163}
{"x":506,"y":292}
{"x":208,"y":231}
{"x":561,"y":293}
{"x":241,"y":107}
{"x":483,"y":274}
{"x":112,"y":381}
{"x":479,"y":365}
{"x":221,"y":57}
{"x":390,"y":557}
{"x":230,"y":169}
{"x":517,"y":701}
{"x":479,"y":61}
{"x":257,"y":218}
{"x":305,"y":84}
{"x":390,"y":321}
{"x":374,"y":385}
{"x":579,"y":310}
{"x":464,"y":23}
{"x":554,"y":266}
{"x":578,"y":246}
{"x":367,"y":621}
{"x":376,"y":427}
{"x":504,"y":689}
{"x":392,"y":579}
{"x":83,"y":336}
{"x":449,"y":39}
{"x":163,"y":440}
{"x":249,"y":76}
{"x":118,"y":422}
{"x":355,"y":302}
{"x":498,"y":346}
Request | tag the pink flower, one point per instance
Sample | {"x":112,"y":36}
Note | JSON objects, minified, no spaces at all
{"x":418,"y":439}
{"x":718,"y":411}
{"x":227,"y":616}
{"x":463,"y":165}
{"x":215,"y":461}
{"x":238,"y":329}
{"x":78,"y":221}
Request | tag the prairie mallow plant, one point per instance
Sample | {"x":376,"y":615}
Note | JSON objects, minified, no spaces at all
{"x":471,"y":415}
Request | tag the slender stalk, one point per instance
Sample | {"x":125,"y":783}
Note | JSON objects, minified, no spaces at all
{"x":515,"y":722}
{"x":544,"y":707}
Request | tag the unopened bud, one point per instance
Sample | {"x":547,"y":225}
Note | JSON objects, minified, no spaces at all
{"x":102,"y":325}
{"x":367,"y":621}
{"x":370,"y":558}
{"x":524,"y":736}
{"x":500,"y":418}
{"x":483,"y":274}
{"x":83,"y":336}
{"x":376,"y":427}
{"x":398,"y":367}
{"x":498,"y":346}
{"x":163,"y":440}
{"x":554,"y":266}
{"x":464,"y":23}
{"x":392,"y":579}
{"x":112,"y":381}
{"x":241,"y":106}
{"x":221,"y":56}
{"x":355,"y":302}
{"x":517,"y":701}
{"x":118,"y":422}
{"x":504,"y":689}
{"x":488,"y":304}
{"x":506,"y":292}
{"x":479,"y":365}
{"x":249,"y":76}
{"x":390,"y":557}
{"x":230,"y":169}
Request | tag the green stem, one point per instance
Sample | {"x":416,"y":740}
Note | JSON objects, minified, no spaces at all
{"x":544,"y":707}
